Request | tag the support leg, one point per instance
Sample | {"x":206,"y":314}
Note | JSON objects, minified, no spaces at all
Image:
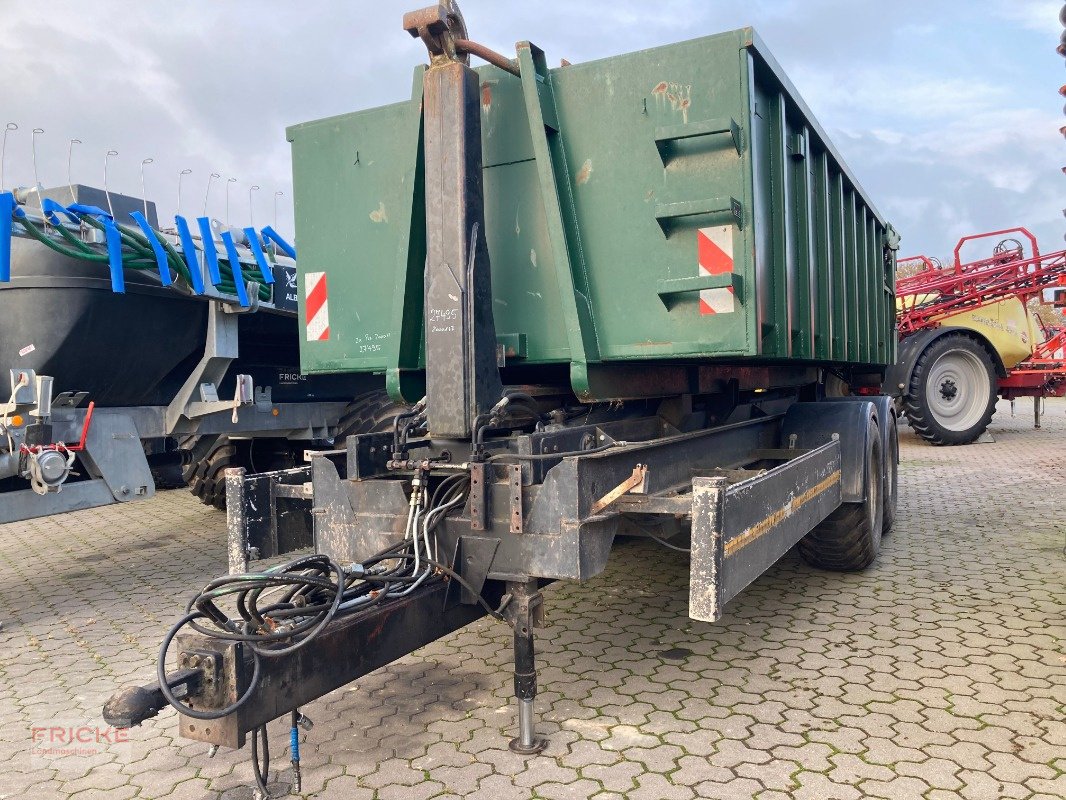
{"x":524,"y":611}
{"x":236,"y":540}
{"x":1037,"y":403}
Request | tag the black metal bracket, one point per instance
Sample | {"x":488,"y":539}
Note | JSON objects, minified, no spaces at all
{"x":472,"y":560}
{"x":368,"y":455}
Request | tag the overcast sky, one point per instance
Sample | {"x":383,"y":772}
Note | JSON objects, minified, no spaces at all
{"x":947,"y":111}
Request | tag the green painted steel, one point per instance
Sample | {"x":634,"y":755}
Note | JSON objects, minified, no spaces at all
{"x":607,"y":184}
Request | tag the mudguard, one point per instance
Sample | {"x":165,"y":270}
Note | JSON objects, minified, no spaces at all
{"x":814,"y":424}
{"x":886,"y":407}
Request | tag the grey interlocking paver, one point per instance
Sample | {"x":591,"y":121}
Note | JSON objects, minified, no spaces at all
{"x":938,"y":674}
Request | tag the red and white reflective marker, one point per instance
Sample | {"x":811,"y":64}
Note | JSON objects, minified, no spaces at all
{"x":316,"y":309}
{"x":714,"y":248}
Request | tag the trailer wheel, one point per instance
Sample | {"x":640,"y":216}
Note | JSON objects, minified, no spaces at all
{"x":952,"y":393}
{"x":208,"y":480}
{"x":371,"y":413}
{"x":850,"y":537}
{"x":891,"y":476}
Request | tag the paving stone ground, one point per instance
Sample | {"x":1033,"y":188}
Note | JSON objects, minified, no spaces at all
{"x":939,"y":673}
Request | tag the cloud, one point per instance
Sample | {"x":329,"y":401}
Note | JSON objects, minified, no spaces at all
{"x":948,"y":116}
{"x":1034,"y":15}
{"x":967,"y":176}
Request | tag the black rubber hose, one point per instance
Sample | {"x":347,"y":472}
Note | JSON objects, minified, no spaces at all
{"x":182,"y":708}
{"x":547,"y":456}
{"x":261,"y":773}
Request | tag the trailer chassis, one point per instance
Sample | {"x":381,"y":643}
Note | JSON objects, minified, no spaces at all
{"x":746,"y":471}
{"x":112,"y":459}
{"x":745,"y":493}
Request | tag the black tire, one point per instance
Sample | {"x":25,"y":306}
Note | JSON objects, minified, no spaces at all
{"x":891,"y":492}
{"x":371,"y":413}
{"x":850,"y":537}
{"x":208,"y":480}
{"x":952,"y":393}
{"x":198,"y":448}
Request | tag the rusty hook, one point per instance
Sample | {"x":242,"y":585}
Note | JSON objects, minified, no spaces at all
{"x":439,"y":26}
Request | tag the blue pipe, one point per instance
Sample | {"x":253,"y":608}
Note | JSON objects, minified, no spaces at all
{"x":50,"y":207}
{"x":260,"y":256}
{"x":188,"y":247}
{"x":114,"y":255}
{"x":157,"y":247}
{"x":7,"y":208}
{"x":275,"y":237}
{"x":207,"y":238}
{"x":235,"y":265}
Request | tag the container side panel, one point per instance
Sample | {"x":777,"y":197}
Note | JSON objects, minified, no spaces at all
{"x":873,"y":285}
{"x":650,"y":140}
{"x":763,"y":218}
{"x":525,"y":293}
{"x":805,"y":280}
{"x":822,"y":265}
{"x":851,"y":269}
{"x":779,"y":287}
{"x":892,"y":327}
{"x":525,"y":290}
{"x":878,"y":320}
{"x":841,"y":291}
{"x":866,"y":306}
{"x":850,"y":295}
{"x":353,"y":178}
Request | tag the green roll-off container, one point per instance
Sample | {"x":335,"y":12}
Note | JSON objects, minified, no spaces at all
{"x":678,"y":205}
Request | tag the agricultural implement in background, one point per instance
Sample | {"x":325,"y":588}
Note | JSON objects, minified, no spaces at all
{"x":969,"y":336}
{"x":166,"y":356}
{"x":598,"y":312}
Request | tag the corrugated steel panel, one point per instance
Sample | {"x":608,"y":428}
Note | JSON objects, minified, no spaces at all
{"x":674,"y":203}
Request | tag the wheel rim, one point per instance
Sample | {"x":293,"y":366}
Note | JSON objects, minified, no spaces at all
{"x":957,"y":390}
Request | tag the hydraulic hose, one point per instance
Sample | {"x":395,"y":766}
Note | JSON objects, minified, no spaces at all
{"x":138,"y":256}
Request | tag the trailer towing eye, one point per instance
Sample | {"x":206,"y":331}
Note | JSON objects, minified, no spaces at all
{"x":134,"y":704}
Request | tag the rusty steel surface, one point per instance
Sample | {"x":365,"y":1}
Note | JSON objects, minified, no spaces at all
{"x":438,"y":26}
{"x":634,"y":483}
